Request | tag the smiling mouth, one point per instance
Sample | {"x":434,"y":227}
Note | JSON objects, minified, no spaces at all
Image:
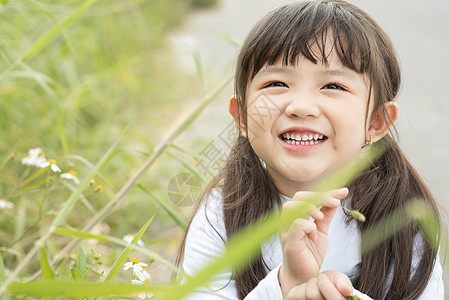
{"x":302,"y":138}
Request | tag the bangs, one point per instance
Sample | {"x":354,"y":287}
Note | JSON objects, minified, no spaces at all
{"x":311,"y":29}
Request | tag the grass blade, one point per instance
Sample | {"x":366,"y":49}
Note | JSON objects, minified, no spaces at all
{"x":187,"y":166}
{"x":47,"y":272}
{"x":81,"y":264}
{"x":124,"y":255}
{"x":228,"y":39}
{"x":67,"y":289}
{"x":55,"y":30}
{"x":165,"y":206}
{"x":199,"y":68}
{"x":3,"y":278}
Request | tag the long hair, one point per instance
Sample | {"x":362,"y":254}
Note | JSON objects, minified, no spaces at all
{"x":248,"y":190}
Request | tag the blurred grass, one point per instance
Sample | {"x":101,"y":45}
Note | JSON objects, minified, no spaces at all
{"x":109,"y":69}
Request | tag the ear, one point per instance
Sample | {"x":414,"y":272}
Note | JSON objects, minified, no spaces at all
{"x":234,"y":109}
{"x":382,"y":120}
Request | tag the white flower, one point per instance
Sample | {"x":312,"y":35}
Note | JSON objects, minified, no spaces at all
{"x":136,"y":265}
{"x":4,"y":203}
{"x":70,"y":175}
{"x":53,"y":166}
{"x":143,"y":275}
{"x":129,"y":238}
{"x":143,"y":295}
{"x":35,"y":158}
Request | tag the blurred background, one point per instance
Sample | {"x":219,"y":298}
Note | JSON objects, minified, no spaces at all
{"x":144,"y":65}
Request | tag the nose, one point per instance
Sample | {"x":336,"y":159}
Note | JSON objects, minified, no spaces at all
{"x":302,"y":105}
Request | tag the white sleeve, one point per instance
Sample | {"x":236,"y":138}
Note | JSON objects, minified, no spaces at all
{"x":206,"y":241}
{"x":435,"y":286}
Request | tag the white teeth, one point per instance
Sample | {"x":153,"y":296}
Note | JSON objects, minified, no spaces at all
{"x":305,"y":139}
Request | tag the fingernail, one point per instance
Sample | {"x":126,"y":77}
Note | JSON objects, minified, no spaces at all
{"x":335,"y":201}
{"x":344,"y":190}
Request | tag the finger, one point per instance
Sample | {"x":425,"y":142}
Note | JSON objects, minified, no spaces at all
{"x":329,"y":209}
{"x":328,"y":289}
{"x":344,"y":285}
{"x":323,"y":223}
{"x":297,"y":292}
{"x":340,"y":281}
{"x":307,"y":209}
{"x":334,"y":196}
{"x":312,"y":290}
{"x":298,"y":229}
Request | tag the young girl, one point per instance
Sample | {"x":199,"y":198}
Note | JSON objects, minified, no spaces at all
{"x":314,"y":84}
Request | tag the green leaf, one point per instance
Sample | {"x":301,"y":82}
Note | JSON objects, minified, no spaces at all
{"x":81,"y":264}
{"x":124,"y":255}
{"x":4,"y":2}
{"x":47,"y":272}
{"x":67,"y":289}
{"x":2,"y":270}
{"x":76,"y":274}
{"x":229,"y":39}
{"x":166,"y":207}
{"x":199,"y":68}
{"x":3,"y":278}
{"x":81,"y":234}
{"x":187,"y":166}
{"x":55,"y":30}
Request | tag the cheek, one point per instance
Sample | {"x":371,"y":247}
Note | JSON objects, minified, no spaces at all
{"x":349,"y":127}
{"x":262,"y":112}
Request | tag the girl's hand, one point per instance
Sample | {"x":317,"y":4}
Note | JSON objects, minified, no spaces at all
{"x":329,"y":285}
{"x":304,"y":244}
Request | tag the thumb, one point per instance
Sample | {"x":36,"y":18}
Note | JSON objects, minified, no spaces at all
{"x":341,"y":282}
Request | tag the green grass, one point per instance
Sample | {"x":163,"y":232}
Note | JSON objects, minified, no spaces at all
{"x":73,"y":76}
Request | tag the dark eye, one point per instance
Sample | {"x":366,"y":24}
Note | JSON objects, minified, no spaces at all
{"x":276,"y":84}
{"x":334,"y":86}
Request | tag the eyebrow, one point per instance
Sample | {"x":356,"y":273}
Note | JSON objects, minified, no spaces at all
{"x":275,"y":69}
{"x":337,"y":72}
{"x":329,"y":72}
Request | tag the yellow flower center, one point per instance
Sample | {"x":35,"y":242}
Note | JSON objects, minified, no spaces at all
{"x":100,"y":188}
{"x":147,"y":281}
{"x":134,"y":260}
{"x":52,"y":161}
{"x":73,"y":173}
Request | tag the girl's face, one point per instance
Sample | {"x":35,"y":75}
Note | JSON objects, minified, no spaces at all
{"x":306,"y":120}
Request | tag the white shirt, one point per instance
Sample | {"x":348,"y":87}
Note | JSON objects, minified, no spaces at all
{"x":206,"y":240}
